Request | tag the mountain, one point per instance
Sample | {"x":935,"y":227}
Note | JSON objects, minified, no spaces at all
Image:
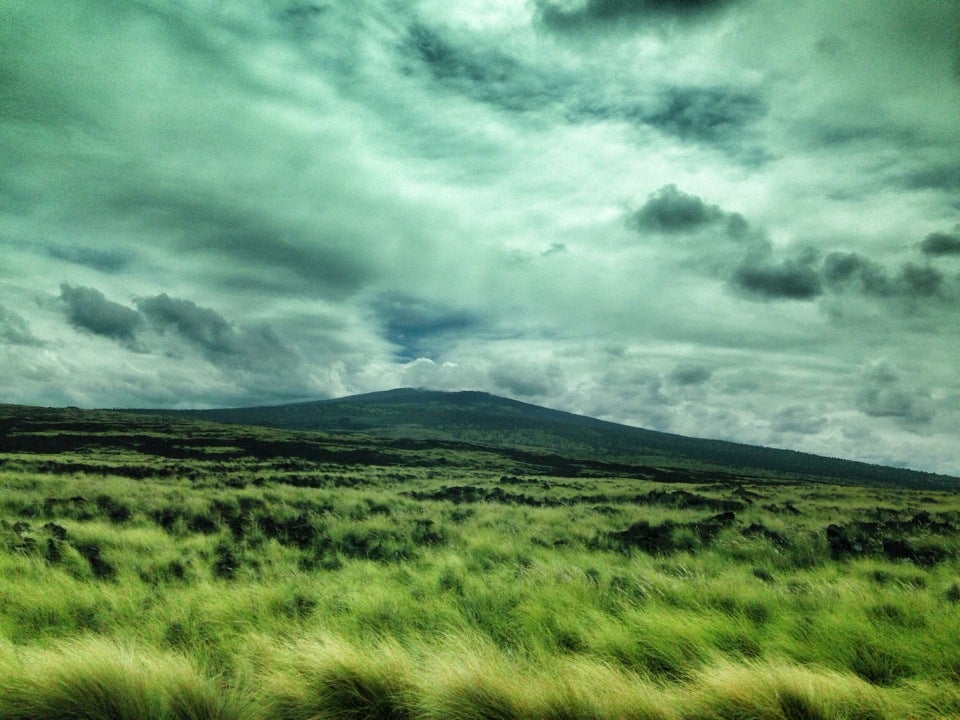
{"x":482,"y":419}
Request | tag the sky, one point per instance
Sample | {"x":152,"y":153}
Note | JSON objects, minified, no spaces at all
{"x":731,"y":219}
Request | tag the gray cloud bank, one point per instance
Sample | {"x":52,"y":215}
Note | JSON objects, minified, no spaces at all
{"x":569,"y":17}
{"x":691,"y":216}
{"x":88,"y":309}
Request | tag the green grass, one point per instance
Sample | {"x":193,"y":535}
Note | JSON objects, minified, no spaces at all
{"x":266,"y":585}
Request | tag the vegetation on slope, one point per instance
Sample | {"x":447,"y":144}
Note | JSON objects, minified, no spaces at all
{"x":477,"y":417}
{"x":161,"y":569}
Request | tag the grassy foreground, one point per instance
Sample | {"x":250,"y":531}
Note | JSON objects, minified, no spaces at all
{"x":178,"y":571}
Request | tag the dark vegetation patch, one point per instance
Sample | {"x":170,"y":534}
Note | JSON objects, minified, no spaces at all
{"x":463,"y":494}
{"x":761,"y":530}
{"x":913,"y":539}
{"x":667,"y":537}
{"x":239,"y":483}
{"x":787,"y":508}
{"x":418,"y":429}
{"x":679,"y":499}
{"x":102,"y":568}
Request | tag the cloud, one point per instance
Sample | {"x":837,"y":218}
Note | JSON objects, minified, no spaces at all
{"x":726,"y":236}
{"x":920,"y":280}
{"x":885,"y":394}
{"x":105,"y":260}
{"x":938,"y":176}
{"x":485,"y":74}
{"x":670,"y":210}
{"x":528,"y":86}
{"x":329,"y":193}
{"x":724,"y":245}
{"x":690,"y":374}
{"x":842,"y":271}
{"x":527,"y":379}
{"x":237,"y":238}
{"x":568,"y":17}
{"x":201,"y":326}
{"x":798,"y":419}
{"x":256,"y":348}
{"x":789,"y":280}
{"x":88,"y":309}
{"x":938,"y":243}
{"x":417,"y":326}
{"x":705,"y":114}
{"x":14,"y":330}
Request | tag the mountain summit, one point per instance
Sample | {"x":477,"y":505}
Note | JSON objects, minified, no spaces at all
{"x":485,"y":419}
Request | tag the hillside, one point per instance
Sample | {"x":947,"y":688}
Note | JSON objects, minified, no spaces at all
{"x":492,"y":421}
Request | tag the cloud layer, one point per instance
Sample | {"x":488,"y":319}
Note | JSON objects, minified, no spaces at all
{"x":711,"y":217}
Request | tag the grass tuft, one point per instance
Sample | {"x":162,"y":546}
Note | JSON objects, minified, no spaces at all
{"x":332,"y":679}
{"x":782,"y":692}
{"x":95,"y":679}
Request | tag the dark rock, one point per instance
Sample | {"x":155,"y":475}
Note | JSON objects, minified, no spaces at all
{"x":58,"y":531}
{"x":101,"y":567}
{"x":760,"y":530}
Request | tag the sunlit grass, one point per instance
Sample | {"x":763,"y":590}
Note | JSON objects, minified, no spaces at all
{"x":239,"y":588}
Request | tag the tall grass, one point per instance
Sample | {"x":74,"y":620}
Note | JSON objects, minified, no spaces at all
{"x":468,"y":679}
{"x":248,"y":593}
{"x":97,"y":679}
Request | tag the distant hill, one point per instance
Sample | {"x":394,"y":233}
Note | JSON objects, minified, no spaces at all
{"x":489,"y":420}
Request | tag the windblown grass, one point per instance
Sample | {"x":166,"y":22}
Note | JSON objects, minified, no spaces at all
{"x":231,"y":587}
{"x":96,"y":679}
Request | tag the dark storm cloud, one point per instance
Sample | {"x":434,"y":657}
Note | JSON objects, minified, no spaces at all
{"x":238,"y":237}
{"x":941,"y":244}
{"x":264,"y":352}
{"x":716,"y":116}
{"x":416,"y":325}
{"x":606,"y":12}
{"x":806,"y":277}
{"x":842,"y":268}
{"x":110,"y":261}
{"x":254,"y":348}
{"x":798,"y":419}
{"x":88,"y":309}
{"x":919,"y":280}
{"x":939,"y":176}
{"x":833,"y":134}
{"x":710,"y":115}
{"x":884,"y":393}
{"x":554,"y":249}
{"x":789,"y":280}
{"x":526,"y":382}
{"x":750,"y":267}
{"x":487,"y":75}
{"x":491,"y":76}
{"x":671,"y":211}
{"x":201,"y":326}
{"x":844,"y":271}
{"x":690,"y":374}
{"x":304,"y":10}
{"x":14,"y":330}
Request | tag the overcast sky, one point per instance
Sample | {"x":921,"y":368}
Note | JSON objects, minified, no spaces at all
{"x":724,"y":218}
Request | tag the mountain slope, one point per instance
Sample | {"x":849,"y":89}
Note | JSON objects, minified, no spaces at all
{"x":478,"y":417}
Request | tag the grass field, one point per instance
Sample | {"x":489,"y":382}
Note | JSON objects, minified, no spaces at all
{"x":153,"y":568}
